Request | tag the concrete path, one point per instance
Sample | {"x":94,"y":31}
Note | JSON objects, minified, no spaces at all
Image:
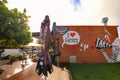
{"x":13,"y":69}
{"x":15,"y":72}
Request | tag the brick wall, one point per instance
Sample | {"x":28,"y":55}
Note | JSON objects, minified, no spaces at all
{"x":88,"y":35}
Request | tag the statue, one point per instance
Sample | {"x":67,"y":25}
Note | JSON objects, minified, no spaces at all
{"x":44,"y":63}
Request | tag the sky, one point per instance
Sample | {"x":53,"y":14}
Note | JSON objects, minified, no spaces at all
{"x":69,"y":12}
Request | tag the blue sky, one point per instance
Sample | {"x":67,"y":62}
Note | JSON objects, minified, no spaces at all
{"x":69,"y":12}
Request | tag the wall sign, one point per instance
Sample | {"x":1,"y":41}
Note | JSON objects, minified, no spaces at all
{"x":71,"y":38}
{"x":62,"y":30}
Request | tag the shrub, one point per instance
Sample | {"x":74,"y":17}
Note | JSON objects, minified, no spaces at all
{"x":34,"y":58}
{"x":1,"y":71}
{"x":19,"y":57}
{"x":12,"y":59}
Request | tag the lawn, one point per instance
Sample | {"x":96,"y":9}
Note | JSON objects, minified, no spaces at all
{"x":108,"y":71}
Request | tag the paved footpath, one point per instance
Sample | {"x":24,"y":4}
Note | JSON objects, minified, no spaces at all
{"x":58,"y":74}
{"x":15,"y":72}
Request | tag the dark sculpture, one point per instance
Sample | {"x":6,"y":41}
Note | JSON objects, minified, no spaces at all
{"x":44,"y":63}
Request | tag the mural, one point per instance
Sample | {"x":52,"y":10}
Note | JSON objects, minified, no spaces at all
{"x":100,"y":44}
{"x":83,"y":47}
{"x":71,"y":38}
{"x":107,"y":34}
{"x":116,"y":50}
{"x":87,"y":39}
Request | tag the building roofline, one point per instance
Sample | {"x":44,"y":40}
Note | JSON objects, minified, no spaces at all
{"x":87,"y":25}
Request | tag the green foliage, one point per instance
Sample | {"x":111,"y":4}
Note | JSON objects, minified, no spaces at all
{"x":51,"y":50}
{"x":19,"y":57}
{"x":108,"y":71}
{"x":38,"y":41}
{"x":12,"y":59}
{"x":1,"y":51}
{"x":34,"y":58}
{"x":14,"y":29}
{"x":1,"y":71}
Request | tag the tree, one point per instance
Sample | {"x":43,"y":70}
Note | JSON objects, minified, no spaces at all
{"x":14,"y":29}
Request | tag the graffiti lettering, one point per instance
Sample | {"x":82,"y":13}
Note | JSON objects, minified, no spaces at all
{"x":83,"y":47}
{"x":72,"y":40}
{"x":102,"y":44}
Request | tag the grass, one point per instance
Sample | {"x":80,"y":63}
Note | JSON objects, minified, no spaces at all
{"x":108,"y":71}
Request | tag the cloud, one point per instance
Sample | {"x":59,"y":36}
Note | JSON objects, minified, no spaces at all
{"x":88,"y":12}
{"x":112,"y":10}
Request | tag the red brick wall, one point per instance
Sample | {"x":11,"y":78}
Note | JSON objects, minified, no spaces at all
{"x":88,"y":35}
